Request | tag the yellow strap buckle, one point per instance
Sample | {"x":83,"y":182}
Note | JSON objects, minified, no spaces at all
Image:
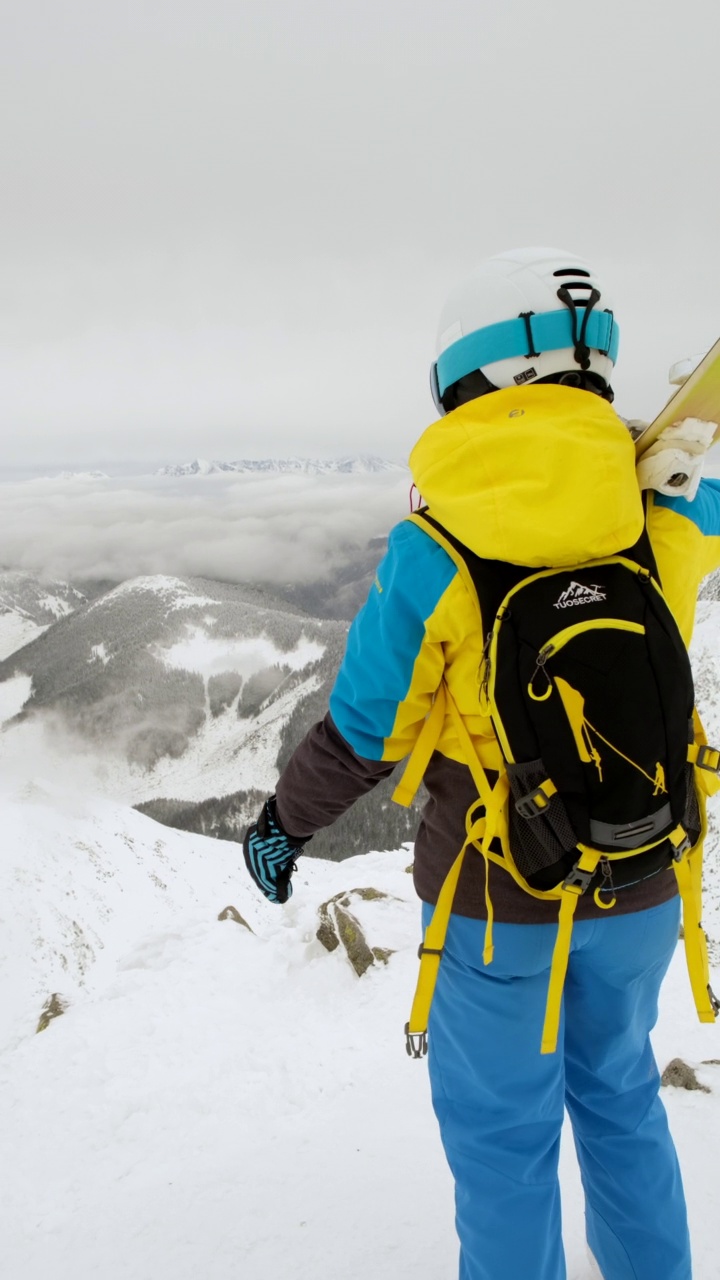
{"x":577,"y":880}
{"x":680,"y":842}
{"x":415,"y":1042}
{"x":707,"y":758}
{"x":537,"y":801}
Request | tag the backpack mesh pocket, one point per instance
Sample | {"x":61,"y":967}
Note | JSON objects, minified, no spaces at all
{"x":539,"y":843}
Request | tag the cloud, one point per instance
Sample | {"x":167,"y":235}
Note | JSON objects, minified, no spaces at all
{"x":279,"y":529}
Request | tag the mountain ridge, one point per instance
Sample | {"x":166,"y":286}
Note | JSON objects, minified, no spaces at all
{"x":350,"y":465}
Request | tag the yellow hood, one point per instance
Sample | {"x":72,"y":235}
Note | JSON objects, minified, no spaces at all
{"x":542,"y":475}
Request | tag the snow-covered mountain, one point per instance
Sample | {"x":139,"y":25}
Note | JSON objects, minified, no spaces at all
{"x":185,"y":697}
{"x":82,"y":475}
{"x":357,"y":465}
{"x":204,"y":1054}
{"x":29,"y":606}
{"x":222,"y":1098}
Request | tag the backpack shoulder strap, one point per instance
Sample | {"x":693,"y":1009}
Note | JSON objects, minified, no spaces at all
{"x":488,"y":581}
{"x":454,"y":549}
{"x":443,"y":703}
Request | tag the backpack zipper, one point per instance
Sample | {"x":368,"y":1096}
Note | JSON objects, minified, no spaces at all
{"x":561,"y":638}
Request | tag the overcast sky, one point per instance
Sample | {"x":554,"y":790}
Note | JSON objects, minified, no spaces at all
{"x":227,"y":227}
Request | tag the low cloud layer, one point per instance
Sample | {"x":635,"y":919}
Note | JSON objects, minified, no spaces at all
{"x":278,"y":529}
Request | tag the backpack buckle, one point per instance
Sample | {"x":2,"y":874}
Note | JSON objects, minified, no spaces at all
{"x":705,"y":754}
{"x":429,"y":951}
{"x":681,"y":843}
{"x":577,"y":881}
{"x":535,"y":802}
{"x":415,"y":1042}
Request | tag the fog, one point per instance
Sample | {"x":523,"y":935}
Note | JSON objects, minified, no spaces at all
{"x":274,"y":529}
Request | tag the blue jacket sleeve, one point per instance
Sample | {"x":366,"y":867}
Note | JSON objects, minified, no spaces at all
{"x":704,"y":513}
{"x":390,"y":671}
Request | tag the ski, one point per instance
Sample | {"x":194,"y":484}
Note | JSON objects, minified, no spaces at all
{"x":697,"y":397}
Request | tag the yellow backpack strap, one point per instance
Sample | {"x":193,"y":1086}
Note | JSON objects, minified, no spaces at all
{"x":688,"y":873}
{"x":479,"y":832}
{"x":433,"y":943}
{"x":706,"y":758}
{"x":453,"y":553}
{"x":472,"y":759}
{"x":575,"y":885}
{"x":419,"y":758}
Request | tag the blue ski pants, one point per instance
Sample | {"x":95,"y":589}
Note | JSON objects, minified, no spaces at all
{"x":500,"y":1103}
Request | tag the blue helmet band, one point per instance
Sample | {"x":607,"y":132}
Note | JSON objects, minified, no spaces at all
{"x":550,"y":330}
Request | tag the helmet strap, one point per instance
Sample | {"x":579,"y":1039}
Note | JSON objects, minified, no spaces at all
{"x":582,"y":350}
{"x":471,"y":387}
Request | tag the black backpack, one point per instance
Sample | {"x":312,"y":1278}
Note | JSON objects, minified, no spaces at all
{"x":588,"y":684}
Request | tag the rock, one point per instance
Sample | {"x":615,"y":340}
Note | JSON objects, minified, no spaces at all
{"x":232,"y":913}
{"x":54,"y":1007}
{"x":369,"y":895}
{"x":339,"y":925}
{"x":327,"y":934}
{"x":679,"y":1075}
{"x":353,"y":940}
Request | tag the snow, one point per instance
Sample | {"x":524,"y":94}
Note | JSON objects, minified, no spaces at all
{"x":217,"y":1102}
{"x":226,"y":755}
{"x":80,"y":475}
{"x":16,"y":630}
{"x":174,"y":590}
{"x":56,"y":605}
{"x":14,"y":693}
{"x":210,"y":656}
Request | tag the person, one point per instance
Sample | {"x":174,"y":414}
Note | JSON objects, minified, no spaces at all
{"x":528,"y":465}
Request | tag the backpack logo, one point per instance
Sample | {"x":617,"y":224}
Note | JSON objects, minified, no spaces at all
{"x":578,"y":594}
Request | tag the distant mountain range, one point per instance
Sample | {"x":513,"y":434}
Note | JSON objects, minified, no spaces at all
{"x":284,"y":466}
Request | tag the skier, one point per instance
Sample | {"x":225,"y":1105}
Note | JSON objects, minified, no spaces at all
{"x":529,"y":465}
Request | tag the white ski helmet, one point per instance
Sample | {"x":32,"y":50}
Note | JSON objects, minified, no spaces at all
{"x":523,"y":316}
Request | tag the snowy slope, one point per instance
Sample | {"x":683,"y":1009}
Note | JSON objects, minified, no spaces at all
{"x":29,"y":606}
{"x":217,"y":1102}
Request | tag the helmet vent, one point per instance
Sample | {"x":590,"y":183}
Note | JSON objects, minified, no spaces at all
{"x":572,"y":271}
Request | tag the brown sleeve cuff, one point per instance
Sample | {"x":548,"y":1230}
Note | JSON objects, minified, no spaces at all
{"x":323,"y":778}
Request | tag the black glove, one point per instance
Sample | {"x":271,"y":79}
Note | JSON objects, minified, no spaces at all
{"x":270,"y":854}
